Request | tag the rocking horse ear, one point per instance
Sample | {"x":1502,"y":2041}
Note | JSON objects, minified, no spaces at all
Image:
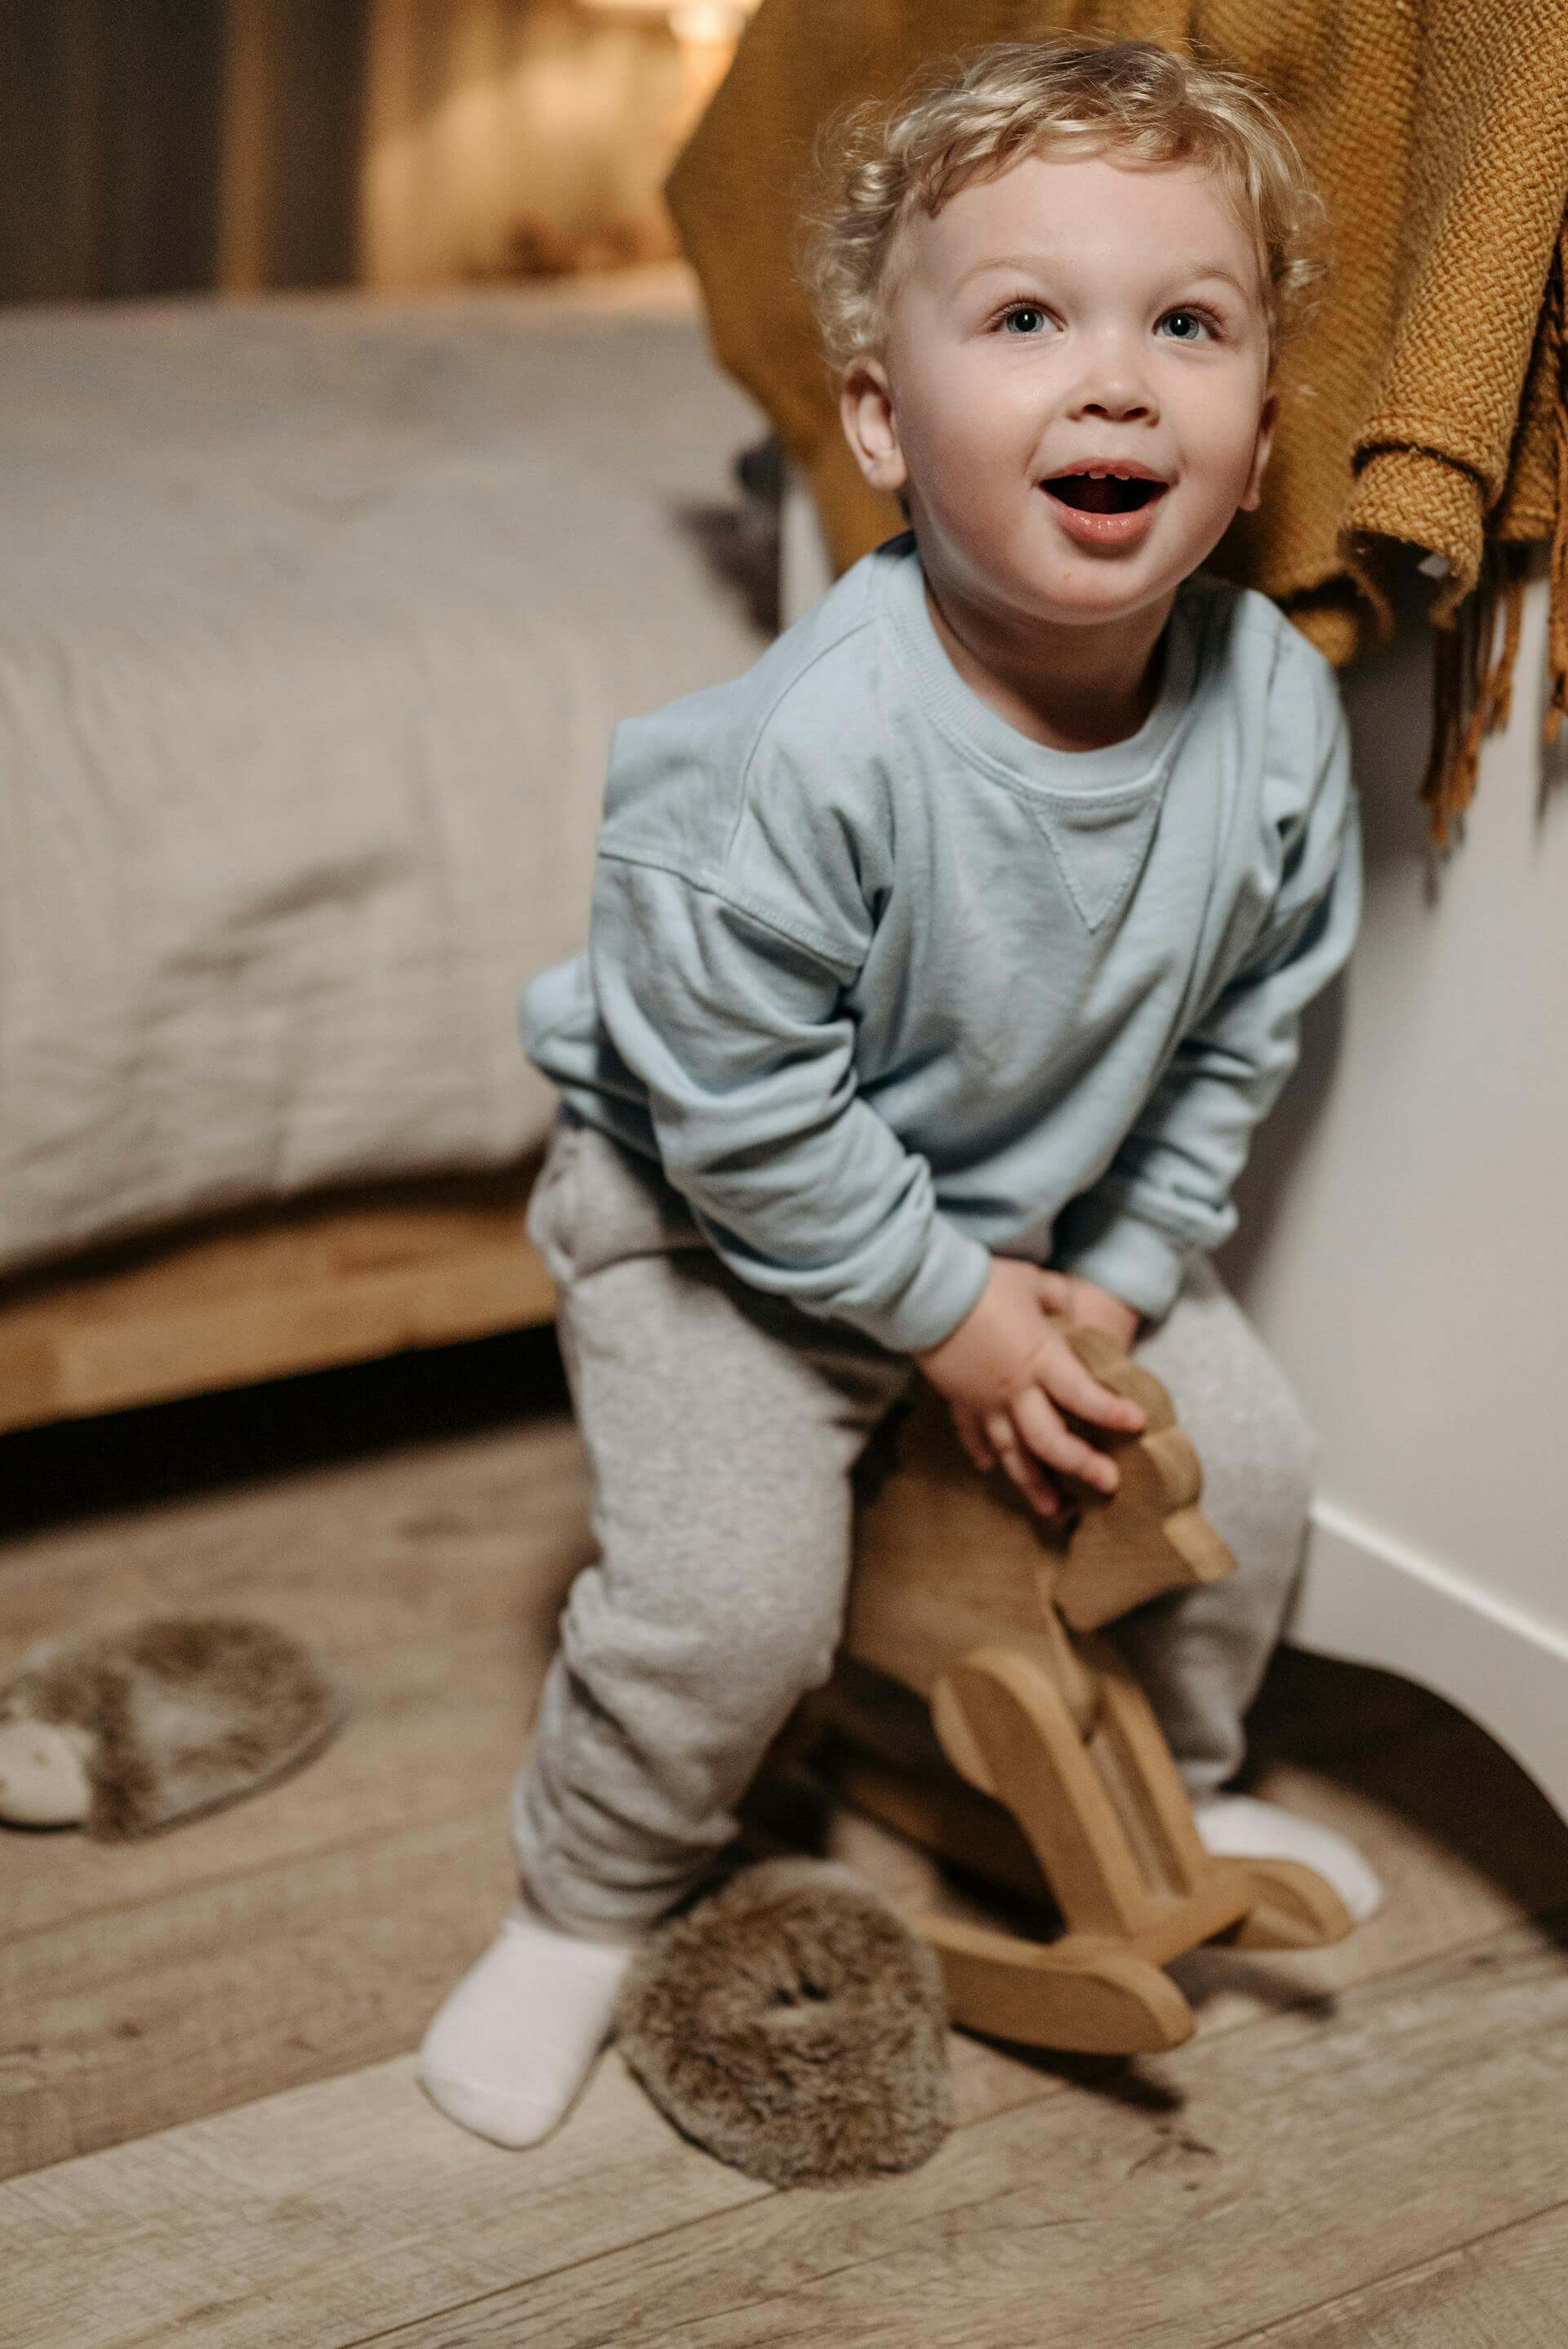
{"x":1149,"y":1536}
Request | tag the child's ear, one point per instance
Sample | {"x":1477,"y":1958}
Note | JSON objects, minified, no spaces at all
{"x":1268,"y":419}
{"x":871,"y":424}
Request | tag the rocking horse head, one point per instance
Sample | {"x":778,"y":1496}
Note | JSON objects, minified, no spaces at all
{"x":947,"y":1558}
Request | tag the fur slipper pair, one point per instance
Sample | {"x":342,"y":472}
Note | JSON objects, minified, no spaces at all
{"x":128,"y":1731}
{"x":794,"y":2025}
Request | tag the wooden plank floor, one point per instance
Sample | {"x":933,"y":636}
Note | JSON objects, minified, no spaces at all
{"x":207,"y":2113}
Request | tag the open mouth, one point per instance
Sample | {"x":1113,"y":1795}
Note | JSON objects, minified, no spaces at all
{"x":1109,"y":494}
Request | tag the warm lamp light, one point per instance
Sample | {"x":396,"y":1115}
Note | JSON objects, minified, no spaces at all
{"x":705,"y":21}
{"x":706,"y":31}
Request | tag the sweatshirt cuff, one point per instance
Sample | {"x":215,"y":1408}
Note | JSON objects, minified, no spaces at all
{"x":946,"y":1287}
{"x":1135,"y":1260}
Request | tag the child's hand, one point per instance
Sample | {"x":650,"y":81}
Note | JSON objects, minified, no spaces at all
{"x":1008,"y":1372}
{"x":1084,"y":1302}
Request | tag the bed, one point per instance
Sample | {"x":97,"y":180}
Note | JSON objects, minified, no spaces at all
{"x":316,"y":613}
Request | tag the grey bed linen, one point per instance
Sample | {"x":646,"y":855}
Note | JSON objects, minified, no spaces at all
{"x":315,"y":616}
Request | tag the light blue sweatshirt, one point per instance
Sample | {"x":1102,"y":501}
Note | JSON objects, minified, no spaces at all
{"x":886,"y":987}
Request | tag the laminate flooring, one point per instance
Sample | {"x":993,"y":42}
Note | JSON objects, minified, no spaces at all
{"x":209,"y":2126}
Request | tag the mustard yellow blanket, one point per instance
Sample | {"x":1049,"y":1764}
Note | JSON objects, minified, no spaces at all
{"x":1427,"y":403}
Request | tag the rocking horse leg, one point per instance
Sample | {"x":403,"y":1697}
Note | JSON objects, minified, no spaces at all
{"x":1081,"y":1993}
{"x":1005,"y":1727}
{"x":1284,"y":1904}
{"x":1291,"y":1906}
{"x":1099,"y":1987}
{"x":1111,"y":1826}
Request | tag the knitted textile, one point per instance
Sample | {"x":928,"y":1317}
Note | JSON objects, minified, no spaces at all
{"x":1426,"y":402}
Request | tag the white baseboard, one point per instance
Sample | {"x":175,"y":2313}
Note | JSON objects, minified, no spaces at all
{"x":1368,"y":1599}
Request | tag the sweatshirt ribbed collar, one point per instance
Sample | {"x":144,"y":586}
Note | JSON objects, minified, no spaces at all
{"x":1131,"y":766}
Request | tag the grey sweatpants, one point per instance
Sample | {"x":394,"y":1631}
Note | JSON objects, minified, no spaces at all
{"x":721,"y":1427}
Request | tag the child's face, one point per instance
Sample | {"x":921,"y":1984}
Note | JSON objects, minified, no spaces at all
{"x":1069,"y":310}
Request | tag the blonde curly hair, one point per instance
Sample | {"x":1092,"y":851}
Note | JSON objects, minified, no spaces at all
{"x":971,"y":117}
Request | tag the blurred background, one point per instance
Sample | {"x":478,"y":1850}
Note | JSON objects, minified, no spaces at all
{"x":231,"y":146}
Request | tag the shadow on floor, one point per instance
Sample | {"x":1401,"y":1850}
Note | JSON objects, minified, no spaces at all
{"x":77,"y":1468}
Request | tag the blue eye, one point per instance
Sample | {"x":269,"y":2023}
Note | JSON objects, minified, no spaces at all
{"x":1202,"y":315}
{"x":1010,"y":316}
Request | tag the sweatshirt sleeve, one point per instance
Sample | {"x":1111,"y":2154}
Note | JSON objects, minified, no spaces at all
{"x":738,"y":1030}
{"x":1168,"y":1189}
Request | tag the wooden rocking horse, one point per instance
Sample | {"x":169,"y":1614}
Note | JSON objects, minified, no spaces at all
{"x":964,"y":1596}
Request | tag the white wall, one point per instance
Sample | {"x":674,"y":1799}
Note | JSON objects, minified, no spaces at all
{"x":1404,"y":1237}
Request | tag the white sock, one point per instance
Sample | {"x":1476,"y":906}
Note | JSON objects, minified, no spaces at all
{"x":1240,"y":1827}
{"x":517,"y":2038}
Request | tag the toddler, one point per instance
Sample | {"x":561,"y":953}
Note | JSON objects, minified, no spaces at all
{"x":939,"y":970}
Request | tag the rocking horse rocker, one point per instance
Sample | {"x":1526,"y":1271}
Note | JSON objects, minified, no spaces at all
{"x":1058,"y":1782}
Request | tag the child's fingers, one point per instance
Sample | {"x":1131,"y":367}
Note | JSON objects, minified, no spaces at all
{"x":973,"y":1437}
{"x":1042,"y":1430}
{"x":1068,"y":1382}
{"x":1022,"y":1465}
{"x":1055,"y":1290}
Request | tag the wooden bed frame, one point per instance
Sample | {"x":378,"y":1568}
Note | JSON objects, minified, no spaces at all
{"x":337,"y":1278}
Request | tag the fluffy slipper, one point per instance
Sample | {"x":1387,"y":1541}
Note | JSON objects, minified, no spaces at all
{"x":126,"y":1731}
{"x":793,"y":2024}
